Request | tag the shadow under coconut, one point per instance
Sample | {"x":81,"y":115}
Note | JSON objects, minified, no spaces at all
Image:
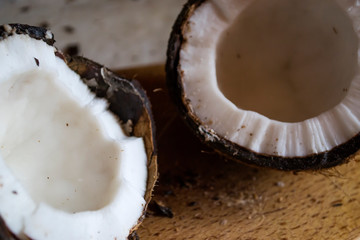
{"x":201,"y":195}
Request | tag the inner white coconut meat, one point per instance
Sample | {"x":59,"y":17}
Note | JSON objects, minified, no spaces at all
{"x":277,"y":77}
{"x":67,"y":170}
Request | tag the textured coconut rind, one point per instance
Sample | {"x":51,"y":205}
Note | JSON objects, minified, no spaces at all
{"x":334,"y":157}
{"x":126,"y":98}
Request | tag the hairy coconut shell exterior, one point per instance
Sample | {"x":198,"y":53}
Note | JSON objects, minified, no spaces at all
{"x":126,"y":98}
{"x":334,"y":157}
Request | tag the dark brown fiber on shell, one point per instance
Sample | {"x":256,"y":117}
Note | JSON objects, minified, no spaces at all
{"x":337,"y":155}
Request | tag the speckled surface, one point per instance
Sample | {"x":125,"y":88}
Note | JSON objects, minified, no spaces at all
{"x":116,"y":33}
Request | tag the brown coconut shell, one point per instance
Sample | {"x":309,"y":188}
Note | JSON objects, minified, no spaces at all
{"x":338,"y":155}
{"x":126,"y":98}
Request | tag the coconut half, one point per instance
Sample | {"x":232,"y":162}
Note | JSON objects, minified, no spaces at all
{"x":68,"y":169}
{"x":270,"y":83}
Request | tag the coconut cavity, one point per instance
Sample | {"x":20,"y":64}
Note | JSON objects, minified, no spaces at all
{"x":289,"y":60}
{"x":67,"y":170}
{"x":54,"y":146}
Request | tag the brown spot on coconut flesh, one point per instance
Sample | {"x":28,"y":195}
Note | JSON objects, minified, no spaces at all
{"x":37,"y":61}
{"x":14,"y":192}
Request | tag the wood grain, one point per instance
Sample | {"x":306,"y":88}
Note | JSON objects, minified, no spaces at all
{"x":213,"y":198}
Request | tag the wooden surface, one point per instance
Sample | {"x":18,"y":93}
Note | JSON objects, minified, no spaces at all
{"x":214,"y":198}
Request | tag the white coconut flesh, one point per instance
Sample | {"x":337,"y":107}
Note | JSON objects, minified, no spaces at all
{"x":67,"y":170}
{"x":276,"y":77}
